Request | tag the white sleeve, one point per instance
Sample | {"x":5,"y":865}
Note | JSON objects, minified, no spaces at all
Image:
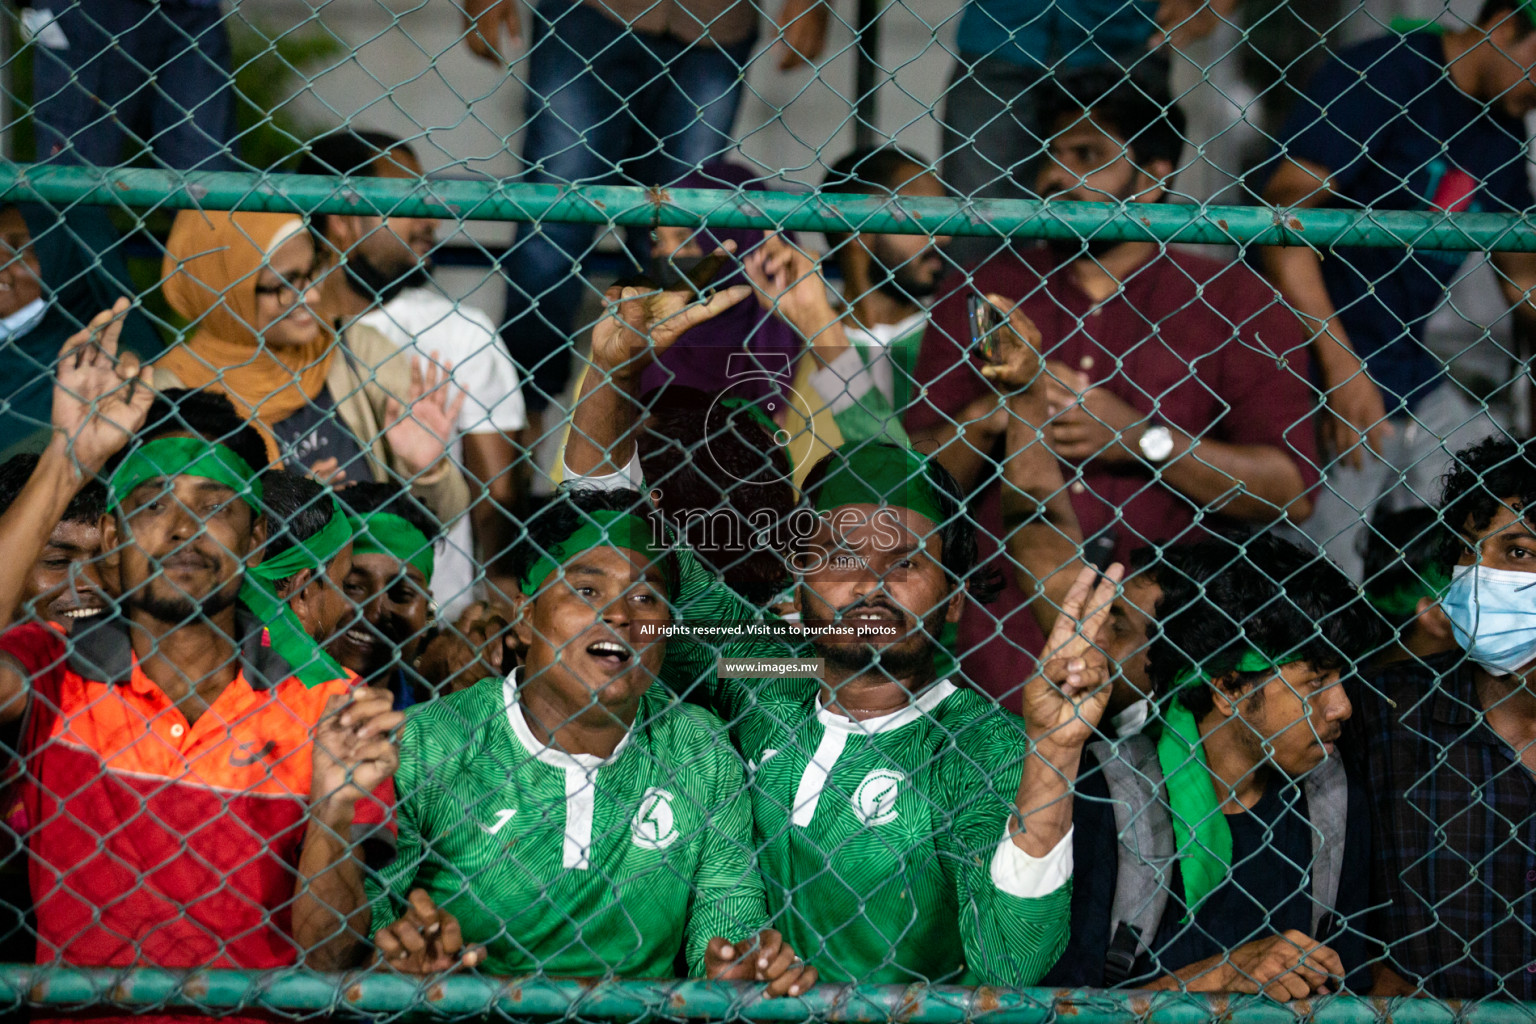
{"x":628,"y":477}
{"x":1018,"y":874}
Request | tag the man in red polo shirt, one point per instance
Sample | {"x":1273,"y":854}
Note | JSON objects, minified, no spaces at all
{"x":187,"y":801}
{"x":1177,"y":387}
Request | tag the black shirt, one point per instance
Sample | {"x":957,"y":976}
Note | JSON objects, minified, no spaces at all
{"x":314,"y":432}
{"x":1454,"y":816}
{"x":1268,"y":891}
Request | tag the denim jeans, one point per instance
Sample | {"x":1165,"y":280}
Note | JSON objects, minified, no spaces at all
{"x":605,"y":106}
{"x":134,"y":71}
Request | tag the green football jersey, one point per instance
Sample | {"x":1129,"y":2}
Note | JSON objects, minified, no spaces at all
{"x":571,"y":864}
{"x":884,"y":842}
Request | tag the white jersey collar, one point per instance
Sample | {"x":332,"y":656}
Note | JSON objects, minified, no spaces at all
{"x":543,"y":752}
{"x":922,"y":706}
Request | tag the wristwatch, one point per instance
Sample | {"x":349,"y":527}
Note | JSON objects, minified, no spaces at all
{"x":1156,"y":443}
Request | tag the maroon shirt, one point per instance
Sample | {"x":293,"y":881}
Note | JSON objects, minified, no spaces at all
{"x":1207,"y":347}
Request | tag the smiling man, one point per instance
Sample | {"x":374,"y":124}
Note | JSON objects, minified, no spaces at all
{"x":1254,"y":842}
{"x":388,"y":583}
{"x":1449,"y":745}
{"x":63,"y":588}
{"x":173,"y":742}
{"x":574,"y":818}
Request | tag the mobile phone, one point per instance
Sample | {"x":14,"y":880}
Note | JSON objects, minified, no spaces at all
{"x":985,"y":318}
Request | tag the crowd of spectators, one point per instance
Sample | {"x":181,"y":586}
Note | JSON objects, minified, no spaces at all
{"x":1091,"y":614}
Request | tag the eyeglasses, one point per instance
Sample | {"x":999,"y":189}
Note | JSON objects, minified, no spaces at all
{"x":287,"y":291}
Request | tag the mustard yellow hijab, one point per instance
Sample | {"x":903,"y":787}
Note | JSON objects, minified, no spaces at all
{"x":211,"y":263}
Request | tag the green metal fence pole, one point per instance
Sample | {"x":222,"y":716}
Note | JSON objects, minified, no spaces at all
{"x":461,"y":995}
{"x":634,"y":206}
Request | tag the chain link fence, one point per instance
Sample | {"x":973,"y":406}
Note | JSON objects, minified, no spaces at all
{"x":1013,"y":509}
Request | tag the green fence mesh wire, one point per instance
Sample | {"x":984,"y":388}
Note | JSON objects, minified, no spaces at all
{"x":612,"y":510}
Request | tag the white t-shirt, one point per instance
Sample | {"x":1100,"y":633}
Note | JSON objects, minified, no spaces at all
{"x":426,"y":320}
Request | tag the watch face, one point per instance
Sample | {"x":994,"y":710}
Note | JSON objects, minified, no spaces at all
{"x":1156,"y":443}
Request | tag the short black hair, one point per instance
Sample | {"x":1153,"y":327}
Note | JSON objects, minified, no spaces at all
{"x":1133,"y":108}
{"x":1262,"y":593}
{"x":297,"y":509}
{"x":364,"y":499}
{"x":87,"y":506}
{"x":1520,"y":15}
{"x":1483,"y":478}
{"x":871,"y":170}
{"x":205,"y":414}
{"x":708,"y":462}
{"x":348,"y":151}
{"x":569,"y":509}
{"x":1406,"y":551}
{"x":959,"y":552}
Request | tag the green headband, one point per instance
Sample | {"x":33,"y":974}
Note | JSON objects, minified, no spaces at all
{"x":1405,"y":25}
{"x":1199,"y":827}
{"x":880,"y":475}
{"x":1402,"y":603}
{"x":309,"y":661}
{"x":313,"y":553}
{"x":604,"y":528}
{"x":167,"y":457}
{"x":384,"y":533}
{"x":753,"y":411}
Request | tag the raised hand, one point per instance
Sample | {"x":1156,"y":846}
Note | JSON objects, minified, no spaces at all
{"x":788,"y":283}
{"x":486,"y":22}
{"x":425,"y":940}
{"x":642,"y":323}
{"x":803,"y":26}
{"x":1065,"y":699}
{"x":353,"y":751}
{"x":421,"y":432}
{"x":764,"y":957}
{"x":1012,"y":352}
{"x":100,"y":398}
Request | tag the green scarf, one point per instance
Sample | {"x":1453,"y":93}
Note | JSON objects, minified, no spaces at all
{"x":384,"y":533}
{"x":1203,"y":838}
{"x":169,"y":457}
{"x":873,"y":474}
{"x":286,"y":633}
{"x":604,"y":528}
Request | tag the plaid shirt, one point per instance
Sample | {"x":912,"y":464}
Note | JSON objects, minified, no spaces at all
{"x":1454,"y":823}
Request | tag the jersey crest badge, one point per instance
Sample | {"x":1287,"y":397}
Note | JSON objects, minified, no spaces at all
{"x":875,"y":800}
{"x":655,"y":826}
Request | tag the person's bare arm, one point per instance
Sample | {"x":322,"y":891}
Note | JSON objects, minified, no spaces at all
{"x":1244,"y":481}
{"x":1045,"y":540}
{"x":1355,"y":401}
{"x":640,"y":324}
{"x":1517,"y":280}
{"x":790,"y":286}
{"x":353,"y":753}
{"x":99,"y":400}
{"x":488,"y":462}
{"x":1063,"y":703}
{"x":964,"y":445}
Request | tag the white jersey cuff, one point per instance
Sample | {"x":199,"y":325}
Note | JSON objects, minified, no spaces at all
{"x":626,"y":478}
{"x":1018,"y":874}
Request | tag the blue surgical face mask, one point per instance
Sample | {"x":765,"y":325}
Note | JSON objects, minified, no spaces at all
{"x":1493,"y":615}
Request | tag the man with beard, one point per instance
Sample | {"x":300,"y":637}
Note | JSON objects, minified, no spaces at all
{"x":388,"y":585}
{"x":1175,"y":388}
{"x":383,"y":280}
{"x":886,"y":279}
{"x":909,"y":829}
{"x":173,"y":742}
